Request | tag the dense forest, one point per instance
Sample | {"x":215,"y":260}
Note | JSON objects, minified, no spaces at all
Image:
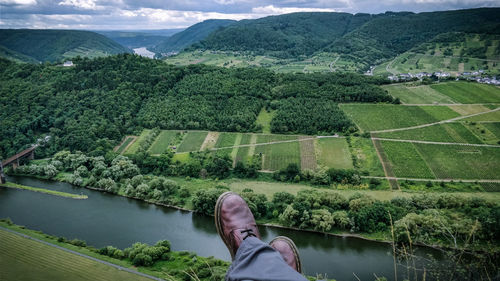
{"x":361,"y":37}
{"x":55,"y":45}
{"x":284,"y":36}
{"x":90,"y":106}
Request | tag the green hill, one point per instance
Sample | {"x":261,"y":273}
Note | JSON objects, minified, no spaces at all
{"x":286,"y":35}
{"x":361,"y":38}
{"x":394,"y":33}
{"x":134,"y":39}
{"x":56,"y":45}
{"x":191,"y":35}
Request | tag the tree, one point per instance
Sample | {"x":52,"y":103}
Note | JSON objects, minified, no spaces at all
{"x":204,"y":200}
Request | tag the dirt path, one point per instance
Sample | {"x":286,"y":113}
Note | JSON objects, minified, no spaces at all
{"x":386,"y":165}
{"x":81,"y":255}
{"x":209,"y":141}
{"x":435,"y":123}
{"x":332,"y":64}
{"x":436,"y":142}
{"x":134,"y":138}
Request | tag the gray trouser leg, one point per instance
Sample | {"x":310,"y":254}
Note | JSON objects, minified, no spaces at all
{"x":255,"y":260}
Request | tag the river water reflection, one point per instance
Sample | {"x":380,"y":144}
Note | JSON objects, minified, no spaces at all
{"x":105,"y":219}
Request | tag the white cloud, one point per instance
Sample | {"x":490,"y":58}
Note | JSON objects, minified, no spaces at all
{"x":18,"y":2}
{"x":83,"y":4}
{"x":272,"y":10}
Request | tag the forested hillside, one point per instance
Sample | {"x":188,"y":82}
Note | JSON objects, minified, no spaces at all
{"x":191,"y":35}
{"x":134,"y":39}
{"x":362,"y":37}
{"x":284,"y":36}
{"x":56,"y":45}
{"x":91,"y":106}
{"x":394,"y":33}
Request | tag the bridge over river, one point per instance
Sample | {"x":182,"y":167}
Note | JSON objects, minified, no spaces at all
{"x":14,"y":160}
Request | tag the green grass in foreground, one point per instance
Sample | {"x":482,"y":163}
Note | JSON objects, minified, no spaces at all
{"x":25,"y":259}
{"x":43,"y":190}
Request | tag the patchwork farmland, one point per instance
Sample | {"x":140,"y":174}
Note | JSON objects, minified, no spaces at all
{"x":439,"y":133}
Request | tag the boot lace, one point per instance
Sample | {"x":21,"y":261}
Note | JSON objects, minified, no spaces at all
{"x":248,"y":232}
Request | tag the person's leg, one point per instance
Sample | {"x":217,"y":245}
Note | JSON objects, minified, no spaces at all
{"x":256,"y":260}
{"x":252,"y":258}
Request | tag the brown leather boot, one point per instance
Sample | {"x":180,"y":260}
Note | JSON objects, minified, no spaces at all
{"x":234,"y":221}
{"x":288,"y":251}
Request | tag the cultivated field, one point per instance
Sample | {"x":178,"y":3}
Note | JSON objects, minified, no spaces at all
{"x":334,"y":153}
{"x":162,"y":142}
{"x":25,"y":259}
{"x":449,"y":132}
{"x":372,"y":117}
{"x":461,"y":162}
{"x":278,"y":156}
{"x":469,"y":92}
{"x":422,"y":94}
{"x":192,"y":141}
{"x":124,"y":144}
{"x":135,"y":146}
{"x":406,"y":161}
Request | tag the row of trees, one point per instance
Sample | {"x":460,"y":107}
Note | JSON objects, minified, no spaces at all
{"x":444,"y":219}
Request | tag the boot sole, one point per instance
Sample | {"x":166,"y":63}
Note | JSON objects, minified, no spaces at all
{"x":218,"y":221}
{"x":294,"y":249}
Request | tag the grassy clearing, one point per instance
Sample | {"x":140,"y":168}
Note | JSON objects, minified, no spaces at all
{"x":417,"y":94}
{"x":43,"y":190}
{"x":469,"y":92}
{"x":370,"y":117}
{"x":25,"y":259}
{"x":135,"y":146}
{"x":264,"y":119}
{"x":406,"y":160}
{"x":181,"y":157}
{"x":278,"y":156}
{"x":124,"y":145}
{"x":461,"y":162}
{"x":366,"y":156}
{"x":162,"y":142}
{"x":334,"y":153}
{"x":449,"y":132}
{"x":192,"y":141}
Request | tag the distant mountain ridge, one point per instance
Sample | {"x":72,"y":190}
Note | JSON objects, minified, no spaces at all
{"x":192,"y":34}
{"x":35,"y":45}
{"x":364,"y":37}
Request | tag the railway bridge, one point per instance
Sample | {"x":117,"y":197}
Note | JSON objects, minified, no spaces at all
{"x":14,"y":160}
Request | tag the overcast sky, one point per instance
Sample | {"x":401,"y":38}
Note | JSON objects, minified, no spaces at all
{"x":164,"y":14}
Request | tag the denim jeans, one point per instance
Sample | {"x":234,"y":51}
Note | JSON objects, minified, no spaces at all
{"x":256,"y":260}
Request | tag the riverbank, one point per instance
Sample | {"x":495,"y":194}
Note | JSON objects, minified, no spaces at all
{"x":43,"y":190}
{"x":177,"y":266}
{"x":194,"y":185}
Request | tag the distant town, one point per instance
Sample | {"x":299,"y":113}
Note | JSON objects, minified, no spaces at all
{"x":477,"y":76}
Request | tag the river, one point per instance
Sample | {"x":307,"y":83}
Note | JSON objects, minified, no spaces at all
{"x":105,"y":219}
